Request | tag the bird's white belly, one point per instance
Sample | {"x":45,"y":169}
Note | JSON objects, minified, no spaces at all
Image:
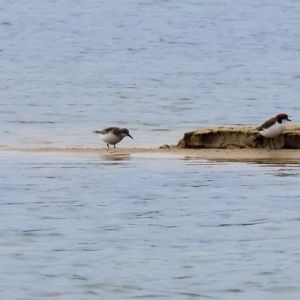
{"x":110,"y":138}
{"x":274,"y":130}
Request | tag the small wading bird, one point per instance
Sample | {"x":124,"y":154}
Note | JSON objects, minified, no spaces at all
{"x":272,"y":128}
{"x":113,"y":135}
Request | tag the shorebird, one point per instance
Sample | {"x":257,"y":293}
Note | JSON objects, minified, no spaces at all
{"x":113,"y":135}
{"x":273,"y":127}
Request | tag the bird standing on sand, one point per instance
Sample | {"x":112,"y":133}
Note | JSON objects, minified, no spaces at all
{"x":273,"y":127}
{"x":113,"y":135}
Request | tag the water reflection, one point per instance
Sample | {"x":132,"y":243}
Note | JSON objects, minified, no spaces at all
{"x":115,"y":158}
{"x":262,"y":161}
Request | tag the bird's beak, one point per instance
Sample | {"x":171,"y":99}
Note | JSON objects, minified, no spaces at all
{"x":288,"y":119}
{"x":130,"y":135}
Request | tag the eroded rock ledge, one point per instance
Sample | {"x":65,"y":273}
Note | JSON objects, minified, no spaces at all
{"x":237,"y":137}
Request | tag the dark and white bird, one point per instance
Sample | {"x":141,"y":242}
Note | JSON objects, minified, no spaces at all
{"x":113,"y":135}
{"x":273,"y":127}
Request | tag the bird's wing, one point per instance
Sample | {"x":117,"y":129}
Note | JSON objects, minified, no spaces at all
{"x":267,"y":124}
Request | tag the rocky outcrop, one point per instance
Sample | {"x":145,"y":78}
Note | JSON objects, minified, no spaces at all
{"x":238,"y":137}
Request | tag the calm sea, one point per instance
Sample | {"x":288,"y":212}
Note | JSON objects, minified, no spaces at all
{"x":159,"y":68}
{"x":75,"y":227}
{"x":83,"y":227}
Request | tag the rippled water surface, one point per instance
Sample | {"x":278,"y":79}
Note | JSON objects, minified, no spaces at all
{"x":83,"y":227}
{"x":159,"y":68}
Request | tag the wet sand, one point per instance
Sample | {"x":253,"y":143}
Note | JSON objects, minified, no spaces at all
{"x":254,"y":155}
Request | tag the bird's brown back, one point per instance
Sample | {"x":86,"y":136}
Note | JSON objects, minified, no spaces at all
{"x":114,"y":130}
{"x":267,"y":124}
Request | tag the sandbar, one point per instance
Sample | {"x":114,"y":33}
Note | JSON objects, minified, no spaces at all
{"x":231,"y":155}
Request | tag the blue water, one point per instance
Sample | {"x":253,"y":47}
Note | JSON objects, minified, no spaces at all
{"x":76,"y":227}
{"x":159,"y":68}
{"x":90,"y":227}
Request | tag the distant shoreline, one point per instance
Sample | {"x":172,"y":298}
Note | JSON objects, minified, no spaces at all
{"x":241,"y":155}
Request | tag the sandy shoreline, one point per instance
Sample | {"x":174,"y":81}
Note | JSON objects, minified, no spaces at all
{"x":255,"y":155}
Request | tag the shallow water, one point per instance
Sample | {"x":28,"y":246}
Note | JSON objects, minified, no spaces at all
{"x":82,"y":227}
{"x":159,"y":68}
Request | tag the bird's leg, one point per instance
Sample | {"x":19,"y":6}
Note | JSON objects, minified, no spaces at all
{"x":269,"y":143}
{"x":114,"y":145}
{"x":107,"y":146}
{"x":274,"y":143}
